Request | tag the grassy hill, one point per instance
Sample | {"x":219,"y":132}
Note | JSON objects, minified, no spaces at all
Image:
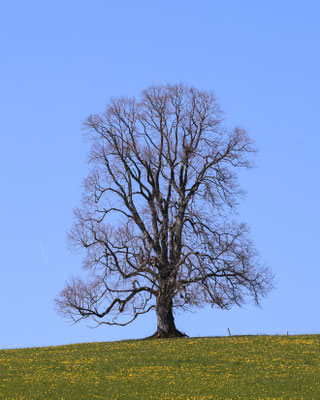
{"x":242,"y":367}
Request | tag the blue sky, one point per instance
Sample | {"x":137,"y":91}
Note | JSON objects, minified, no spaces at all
{"x":62,"y":60}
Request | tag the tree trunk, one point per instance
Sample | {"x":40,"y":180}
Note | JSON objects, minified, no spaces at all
{"x":165,"y":321}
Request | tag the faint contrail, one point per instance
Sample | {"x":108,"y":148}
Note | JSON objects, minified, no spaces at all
{"x":43,"y":253}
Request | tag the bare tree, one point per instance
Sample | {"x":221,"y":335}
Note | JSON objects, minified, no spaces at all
{"x":156,"y":220}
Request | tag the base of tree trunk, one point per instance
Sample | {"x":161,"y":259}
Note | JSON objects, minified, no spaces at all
{"x":165,"y":335}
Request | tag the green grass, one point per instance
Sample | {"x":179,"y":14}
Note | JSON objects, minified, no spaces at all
{"x":243,"y":367}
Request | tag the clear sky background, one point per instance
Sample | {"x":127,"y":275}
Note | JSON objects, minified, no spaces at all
{"x":62,"y":60}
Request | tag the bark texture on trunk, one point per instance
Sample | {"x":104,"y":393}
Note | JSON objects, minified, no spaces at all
{"x":165,"y":321}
